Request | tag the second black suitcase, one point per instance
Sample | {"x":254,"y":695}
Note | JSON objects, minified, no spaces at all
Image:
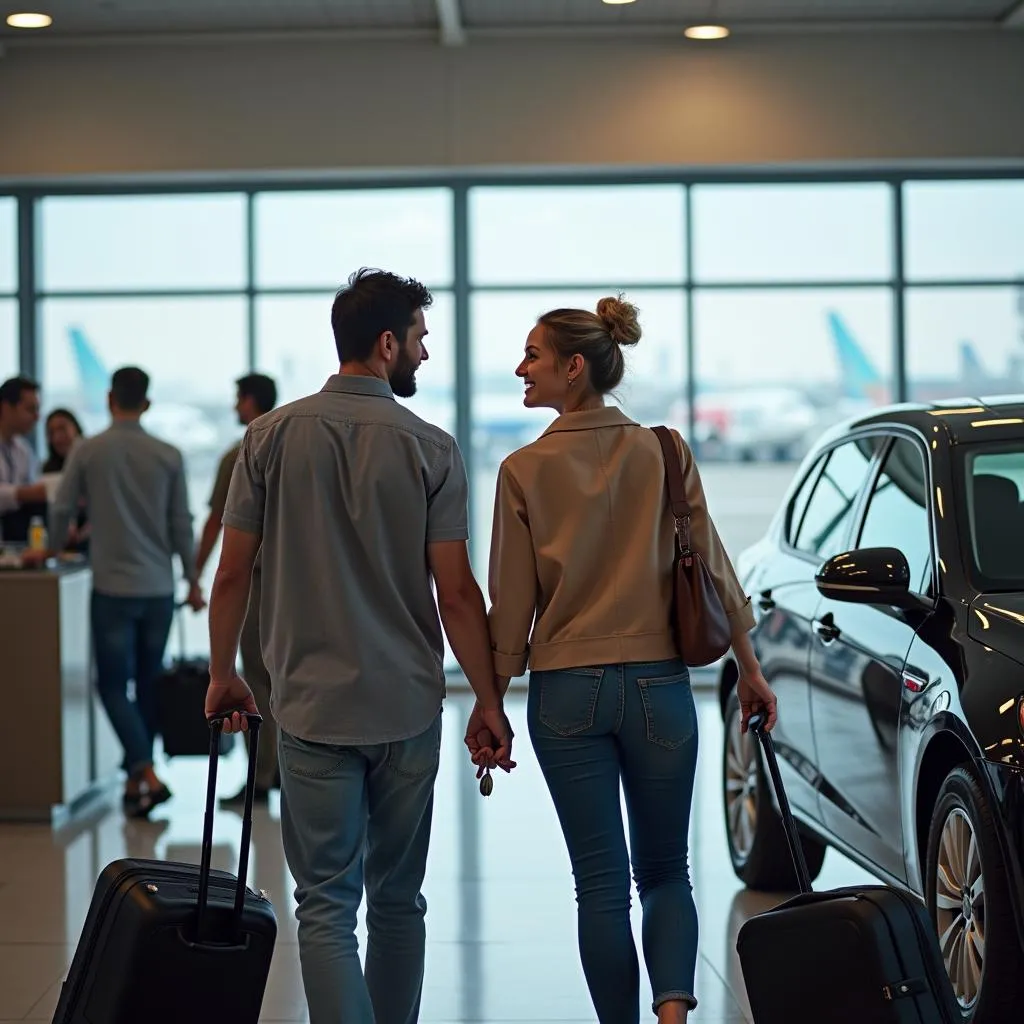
{"x":181,"y":704}
{"x":168,"y":943}
{"x":864,"y":955}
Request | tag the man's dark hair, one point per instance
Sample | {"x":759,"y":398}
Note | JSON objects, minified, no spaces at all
{"x":373,"y":302}
{"x":129,"y":386}
{"x":260,"y":388}
{"x":11,"y":390}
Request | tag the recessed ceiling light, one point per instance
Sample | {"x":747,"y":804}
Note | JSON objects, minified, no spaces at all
{"x":612,"y":2}
{"x":26,"y":19}
{"x":706,"y":32}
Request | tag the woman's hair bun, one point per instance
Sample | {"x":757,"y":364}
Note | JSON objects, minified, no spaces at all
{"x":620,"y":319}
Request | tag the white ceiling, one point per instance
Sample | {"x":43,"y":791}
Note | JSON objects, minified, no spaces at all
{"x":462,"y":20}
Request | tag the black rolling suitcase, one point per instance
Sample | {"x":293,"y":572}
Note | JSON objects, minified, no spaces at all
{"x":181,"y":704}
{"x":168,"y":943}
{"x":865,"y":955}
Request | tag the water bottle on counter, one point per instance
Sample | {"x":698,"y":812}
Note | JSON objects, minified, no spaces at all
{"x":38,"y":540}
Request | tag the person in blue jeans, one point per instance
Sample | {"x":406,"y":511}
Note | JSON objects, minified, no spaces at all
{"x":133,"y":488}
{"x":360,"y":508}
{"x":582,"y":556}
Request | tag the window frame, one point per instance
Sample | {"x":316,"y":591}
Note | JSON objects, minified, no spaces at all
{"x":858,"y":503}
{"x":894,"y":432}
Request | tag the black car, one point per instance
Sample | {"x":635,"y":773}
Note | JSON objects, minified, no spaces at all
{"x":890,"y":597}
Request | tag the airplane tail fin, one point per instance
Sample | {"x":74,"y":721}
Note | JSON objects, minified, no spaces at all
{"x":93,"y":379}
{"x":971,"y":369}
{"x":859,"y":377}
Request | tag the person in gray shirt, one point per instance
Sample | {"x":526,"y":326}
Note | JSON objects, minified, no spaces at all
{"x":361,"y":509}
{"x":134,"y":489}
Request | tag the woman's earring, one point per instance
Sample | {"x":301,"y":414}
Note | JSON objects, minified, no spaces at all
{"x":572,"y":380}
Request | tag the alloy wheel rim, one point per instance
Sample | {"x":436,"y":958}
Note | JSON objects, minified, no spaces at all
{"x":741,"y":789}
{"x":960,"y":906}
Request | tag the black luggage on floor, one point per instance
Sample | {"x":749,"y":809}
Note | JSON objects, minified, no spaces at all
{"x":866,"y":955}
{"x":168,"y":943}
{"x":181,"y":704}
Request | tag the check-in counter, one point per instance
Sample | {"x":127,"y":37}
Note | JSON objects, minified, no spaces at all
{"x":57,"y":749}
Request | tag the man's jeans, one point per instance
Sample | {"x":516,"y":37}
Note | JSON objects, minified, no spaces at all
{"x":129,"y":635}
{"x":349,"y":814}
{"x":593,"y":728}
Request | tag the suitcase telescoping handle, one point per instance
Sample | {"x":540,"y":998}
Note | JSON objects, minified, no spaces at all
{"x":216,"y":727}
{"x":756,"y":725}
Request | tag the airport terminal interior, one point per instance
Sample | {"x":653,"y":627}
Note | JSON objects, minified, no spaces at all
{"x":818,"y":209}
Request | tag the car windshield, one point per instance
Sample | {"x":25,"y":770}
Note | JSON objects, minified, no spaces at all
{"x":995,"y":514}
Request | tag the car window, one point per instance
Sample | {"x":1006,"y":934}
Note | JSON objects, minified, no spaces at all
{"x":826,"y":522}
{"x":798,"y":505}
{"x":897,"y":512}
{"x":995,"y":515}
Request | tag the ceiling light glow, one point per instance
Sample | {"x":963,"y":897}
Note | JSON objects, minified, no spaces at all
{"x":706,"y":32}
{"x":27,"y":19}
{"x":612,"y":3}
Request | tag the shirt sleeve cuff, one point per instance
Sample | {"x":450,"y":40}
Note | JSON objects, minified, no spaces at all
{"x":457,"y":533}
{"x":510,"y":665}
{"x":743,"y":616}
{"x":242,"y":523}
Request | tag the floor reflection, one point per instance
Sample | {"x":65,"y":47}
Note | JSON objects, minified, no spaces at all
{"x":501,"y":920}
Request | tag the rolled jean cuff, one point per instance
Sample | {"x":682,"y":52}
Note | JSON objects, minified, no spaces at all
{"x":666,"y":997}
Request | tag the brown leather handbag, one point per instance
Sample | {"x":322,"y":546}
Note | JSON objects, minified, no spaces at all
{"x":700,"y":623}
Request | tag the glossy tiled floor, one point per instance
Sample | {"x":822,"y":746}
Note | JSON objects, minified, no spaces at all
{"x":501,"y":940}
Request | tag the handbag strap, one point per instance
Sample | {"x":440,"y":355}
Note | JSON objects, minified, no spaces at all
{"x":676,"y":489}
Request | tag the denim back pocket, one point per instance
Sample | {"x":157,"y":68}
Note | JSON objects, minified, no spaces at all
{"x":669,"y":709}
{"x":311,"y":760}
{"x":418,"y":756}
{"x":568,"y":697}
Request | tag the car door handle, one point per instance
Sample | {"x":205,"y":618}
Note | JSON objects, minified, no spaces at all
{"x":765,"y":602}
{"x":827,"y":629}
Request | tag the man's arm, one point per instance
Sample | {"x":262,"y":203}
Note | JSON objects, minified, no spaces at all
{"x":180,"y":518}
{"x":464,"y":617}
{"x":218,"y":499}
{"x":228,"y":602}
{"x":64,"y":510}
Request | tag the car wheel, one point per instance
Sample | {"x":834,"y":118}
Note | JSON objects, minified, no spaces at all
{"x":969,"y":899}
{"x":757,"y":842}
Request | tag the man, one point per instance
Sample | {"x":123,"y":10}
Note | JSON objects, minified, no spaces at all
{"x":358,"y":503}
{"x":22,"y":494}
{"x":256,"y":395}
{"x":135,"y":493}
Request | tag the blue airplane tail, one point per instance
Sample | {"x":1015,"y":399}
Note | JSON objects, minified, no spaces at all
{"x":971,"y":369}
{"x":858,"y":375}
{"x":93,"y":379}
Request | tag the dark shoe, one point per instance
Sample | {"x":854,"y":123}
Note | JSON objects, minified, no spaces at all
{"x":139,"y":804}
{"x":237,"y":802}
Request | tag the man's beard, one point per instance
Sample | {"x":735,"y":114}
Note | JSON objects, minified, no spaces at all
{"x":403,"y":377}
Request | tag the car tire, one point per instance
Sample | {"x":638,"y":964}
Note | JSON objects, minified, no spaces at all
{"x":757,"y":842}
{"x":988,"y":986}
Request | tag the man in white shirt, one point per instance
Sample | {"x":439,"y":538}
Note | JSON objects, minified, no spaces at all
{"x":22,"y":494}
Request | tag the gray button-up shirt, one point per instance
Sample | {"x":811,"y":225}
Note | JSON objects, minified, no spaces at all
{"x":137,"y":499}
{"x":347,"y":488}
{"x":18,"y":467}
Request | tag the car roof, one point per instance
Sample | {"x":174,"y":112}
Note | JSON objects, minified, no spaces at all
{"x":965,"y":420}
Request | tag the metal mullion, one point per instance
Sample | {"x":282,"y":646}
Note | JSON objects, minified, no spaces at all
{"x":28,"y":349}
{"x":150,"y":293}
{"x":691,"y":351}
{"x":463,"y":356}
{"x":899,"y":297}
{"x":250,"y":278}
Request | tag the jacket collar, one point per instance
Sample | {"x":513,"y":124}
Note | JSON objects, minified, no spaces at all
{"x":354,"y":384}
{"x":609,"y":416}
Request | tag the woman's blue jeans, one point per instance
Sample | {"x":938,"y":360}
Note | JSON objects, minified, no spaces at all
{"x":592,"y":729}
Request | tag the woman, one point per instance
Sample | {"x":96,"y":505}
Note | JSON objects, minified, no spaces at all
{"x":583,"y":551}
{"x":63,"y":432}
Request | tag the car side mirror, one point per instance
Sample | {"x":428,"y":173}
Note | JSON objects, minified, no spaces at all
{"x":868,"y":576}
